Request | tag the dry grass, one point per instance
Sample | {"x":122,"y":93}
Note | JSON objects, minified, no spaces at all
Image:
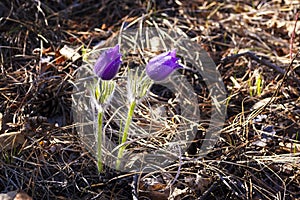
{"x":42,"y":154}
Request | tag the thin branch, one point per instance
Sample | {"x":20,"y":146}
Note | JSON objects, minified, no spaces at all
{"x":251,"y":55}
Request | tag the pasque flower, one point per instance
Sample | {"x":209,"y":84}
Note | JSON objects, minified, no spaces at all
{"x":162,"y":65}
{"x":108,"y":63}
{"x":158,"y":69}
{"x":106,"y":68}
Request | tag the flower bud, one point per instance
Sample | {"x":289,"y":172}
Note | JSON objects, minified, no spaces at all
{"x":162,"y":65}
{"x":108,"y":63}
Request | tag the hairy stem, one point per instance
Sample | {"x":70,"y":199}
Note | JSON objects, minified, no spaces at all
{"x":125,"y":134}
{"x":99,"y":142}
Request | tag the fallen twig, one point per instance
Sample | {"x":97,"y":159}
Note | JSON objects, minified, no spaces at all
{"x":250,"y":54}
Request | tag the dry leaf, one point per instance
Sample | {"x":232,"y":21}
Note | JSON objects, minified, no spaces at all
{"x":8,"y":196}
{"x":177,"y":193}
{"x":69,"y":53}
{"x":10,"y":140}
{"x":262,"y":102}
{"x":22,"y":196}
{"x":290,"y":147}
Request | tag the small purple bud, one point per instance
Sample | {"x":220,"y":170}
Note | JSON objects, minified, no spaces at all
{"x":162,"y":65}
{"x":108,"y":63}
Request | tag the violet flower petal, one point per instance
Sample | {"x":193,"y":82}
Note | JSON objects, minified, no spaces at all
{"x":108,"y":63}
{"x":162,"y":65}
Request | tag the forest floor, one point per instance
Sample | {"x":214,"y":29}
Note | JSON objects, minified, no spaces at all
{"x":255,"y":47}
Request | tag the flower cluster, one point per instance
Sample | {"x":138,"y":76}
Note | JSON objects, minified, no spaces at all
{"x":106,"y":68}
{"x":158,"y":68}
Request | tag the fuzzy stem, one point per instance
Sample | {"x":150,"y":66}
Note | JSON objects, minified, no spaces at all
{"x":99,"y":142}
{"x":125,"y":134}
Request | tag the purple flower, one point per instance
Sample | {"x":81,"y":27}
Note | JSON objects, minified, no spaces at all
{"x":108,"y":63}
{"x":162,"y":65}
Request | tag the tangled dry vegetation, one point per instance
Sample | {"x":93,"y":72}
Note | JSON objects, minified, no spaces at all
{"x":255,"y":46}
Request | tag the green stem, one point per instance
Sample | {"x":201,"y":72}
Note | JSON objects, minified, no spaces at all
{"x":125,"y":134}
{"x":99,"y":142}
